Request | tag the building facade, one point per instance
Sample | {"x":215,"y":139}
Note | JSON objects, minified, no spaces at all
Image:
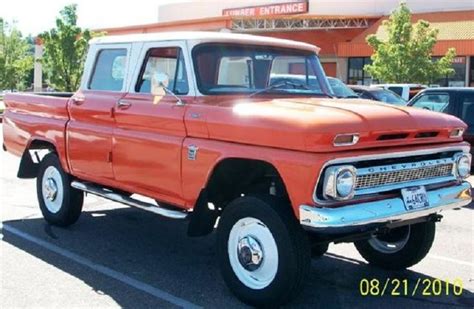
{"x":338,"y":27}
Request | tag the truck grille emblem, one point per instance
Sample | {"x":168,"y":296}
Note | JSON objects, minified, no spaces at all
{"x":192,"y":152}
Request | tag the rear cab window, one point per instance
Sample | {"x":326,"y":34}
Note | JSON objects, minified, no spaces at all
{"x":109,"y":70}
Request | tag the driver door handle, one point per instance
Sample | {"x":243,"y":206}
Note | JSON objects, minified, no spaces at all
{"x":77,"y":100}
{"x":123,"y":104}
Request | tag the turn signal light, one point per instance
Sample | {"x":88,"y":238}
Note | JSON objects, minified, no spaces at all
{"x":346,"y":139}
{"x":458,"y":132}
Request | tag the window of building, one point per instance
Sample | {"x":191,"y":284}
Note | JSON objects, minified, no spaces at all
{"x":471,"y":81}
{"x":169,"y":61}
{"x":458,"y":79}
{"x":109,"y":70}
{"x":356,"y":74}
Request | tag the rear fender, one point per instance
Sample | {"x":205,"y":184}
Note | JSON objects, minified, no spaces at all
{"x":32,"y":155}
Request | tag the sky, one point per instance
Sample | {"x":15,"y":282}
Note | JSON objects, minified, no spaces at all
{"x":35,"y":16}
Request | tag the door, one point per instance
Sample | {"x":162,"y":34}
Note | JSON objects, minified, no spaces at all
{"x":150,"y":130}
{"x":90,"y":130}
{"x":466,"y":101}
{"x":435,"y":101}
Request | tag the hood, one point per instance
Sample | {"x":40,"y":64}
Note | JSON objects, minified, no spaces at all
{"x":311,"y":124}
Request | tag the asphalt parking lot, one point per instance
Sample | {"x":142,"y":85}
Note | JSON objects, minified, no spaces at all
{"x":121,"y":257}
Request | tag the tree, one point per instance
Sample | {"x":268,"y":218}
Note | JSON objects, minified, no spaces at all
{"x":65,"y":49}
{"x":16,"y":60}
{"x":406,"y":55}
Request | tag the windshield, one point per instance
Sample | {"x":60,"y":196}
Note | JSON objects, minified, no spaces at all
{"x":340,"y":89}
{"x":238,"y":68}
{"x":388,"y":96}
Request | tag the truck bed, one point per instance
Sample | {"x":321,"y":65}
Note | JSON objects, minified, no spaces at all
{"x":39,"y":116}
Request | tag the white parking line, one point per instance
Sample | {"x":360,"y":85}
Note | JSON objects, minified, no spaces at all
{"x":446,"y":259}
{"x":102,"y":269}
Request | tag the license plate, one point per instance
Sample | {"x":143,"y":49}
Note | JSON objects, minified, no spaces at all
{"x":415,"y":197}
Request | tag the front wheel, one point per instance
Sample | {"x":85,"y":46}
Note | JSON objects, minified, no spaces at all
{"x":399,"y":248}
{"x":263,"y":252}
{"x":60,"y":204}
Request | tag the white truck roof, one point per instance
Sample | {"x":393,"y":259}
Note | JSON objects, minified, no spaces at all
{"x":201,"y":37}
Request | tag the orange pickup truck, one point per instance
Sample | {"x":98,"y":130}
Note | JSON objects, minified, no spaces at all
{"x":207,"y":125}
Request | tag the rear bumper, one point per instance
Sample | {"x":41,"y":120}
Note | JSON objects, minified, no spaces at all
{"x":355,"y":217}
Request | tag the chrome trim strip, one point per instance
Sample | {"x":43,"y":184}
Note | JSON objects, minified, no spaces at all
{"x":385,"y":211}
{"x":400,"y":154}
{"x":99,"y":191}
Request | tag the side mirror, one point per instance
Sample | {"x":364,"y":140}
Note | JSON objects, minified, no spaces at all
{"x":159,"y":88}
{"x":159,"y":84}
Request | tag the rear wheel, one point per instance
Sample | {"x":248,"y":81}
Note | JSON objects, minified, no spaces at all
{"x":319,"y":250}
{"x":263,"y":252}
{"x":400,"y":248}
{"x":60,"y":204}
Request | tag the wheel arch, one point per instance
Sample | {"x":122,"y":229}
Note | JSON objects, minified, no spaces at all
{"x":29,"y":165}
{"x":229,"y":178}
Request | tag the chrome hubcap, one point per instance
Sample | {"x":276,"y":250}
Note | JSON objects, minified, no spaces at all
{"x":253,"y":253}
{"x":51,"y":189}
{"x":250,"y":253}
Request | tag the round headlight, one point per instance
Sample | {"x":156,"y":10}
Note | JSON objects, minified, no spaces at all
{"x":463,"y":165}
{"x":345,"y":183}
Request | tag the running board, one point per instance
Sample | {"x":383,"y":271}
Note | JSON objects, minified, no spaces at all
{"x":99,"y":191}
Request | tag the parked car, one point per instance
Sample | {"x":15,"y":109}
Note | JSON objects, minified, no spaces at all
{"x":406,"y":91}
{"x":378,"y":94}
{"x":341,"y":90}
{"x":458,"y":102}
{"x":192,"y":120}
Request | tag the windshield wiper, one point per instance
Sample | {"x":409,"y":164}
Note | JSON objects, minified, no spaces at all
{"x":278,"y":85}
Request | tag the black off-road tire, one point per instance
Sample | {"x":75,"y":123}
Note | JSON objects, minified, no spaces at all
{"x":319,"y":250}
{"x":416,"y":248}
{"x":292,"y":246}
{"x":70,"y":207}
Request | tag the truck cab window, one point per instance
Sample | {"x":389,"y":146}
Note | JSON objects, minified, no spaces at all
{"x":169,"y":61}
{"x":109,"y":70}
{"x":246,"y":69}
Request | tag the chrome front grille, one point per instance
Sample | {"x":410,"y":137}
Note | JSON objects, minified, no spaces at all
{"x":401,"y":176}
{"x":395,"y":176}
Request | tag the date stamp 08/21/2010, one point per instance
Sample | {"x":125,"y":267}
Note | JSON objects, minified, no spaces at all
{"x":411,"y":287}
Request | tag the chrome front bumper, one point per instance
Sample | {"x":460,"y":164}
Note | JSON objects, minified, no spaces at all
{"x":381,"y":212}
